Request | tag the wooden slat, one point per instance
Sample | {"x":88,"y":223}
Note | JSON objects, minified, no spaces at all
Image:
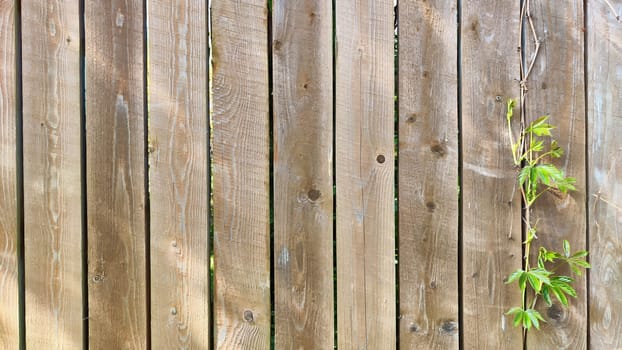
{"x":303,"y":202}
{"x":366,"y":316}
{"x":491,"y":203}
{"x":115,"y":174}
{"x":178,"y":181}
{"x":241,"y":174}
{"x":428,"y":175}
{"x":556,"y":88}
{"x":9,"y":299}
{"x":604,"y":58}
{"x":52,"y":191}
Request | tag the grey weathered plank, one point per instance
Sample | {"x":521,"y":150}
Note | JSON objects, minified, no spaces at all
{"x":428,"y":174}
{"x":9,"y":294}
{"x":52,"y":190}
{"x":556,"y":88}
{"x":303,"y":196}
{"x":365,"y":175}
{"x":604,"y":101}
{"x":491,"y":202}
{"x":178,"y":174}
{"x":115,"y":174}
{"x":241,"y":174}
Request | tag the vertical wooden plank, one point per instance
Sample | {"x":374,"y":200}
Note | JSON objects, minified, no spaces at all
{"x":178,"y":181}
{"x":428,"y":174}
{"x":52,"y":198}
{"x":365,"y":175}
{"x":241,"y":174}
{"x":115,"y":174}
{"x":604,"y":82}
{"x":556,"y":88}
{"x":303,"y":196}
{"x":491,"y":201}
{"x":9,"y":294}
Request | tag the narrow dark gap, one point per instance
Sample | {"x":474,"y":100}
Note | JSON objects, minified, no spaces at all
{"x":271,"y":166}
{"x":334,"y":173}
{"x":83,"y":198}
{"x":587,"y":163}
{"x":523,"y":114}
{"x":146,"y":174}
{"x":212,"y":282}
{"x":396,"y":133}
{"x":460,"y":167}
{"x":19,"y":157}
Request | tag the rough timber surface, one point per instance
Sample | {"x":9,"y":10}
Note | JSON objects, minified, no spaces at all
{"x":52,"y":189}
{"x":491,"y":202}
{"x":428,"y":152}
{"x":241,"y":174}
{"x":303,"y":196}
{"x":364,"y":71}
{"x":604,"y":82}
{"x":115,"y":157}
{"x":178,"y":174}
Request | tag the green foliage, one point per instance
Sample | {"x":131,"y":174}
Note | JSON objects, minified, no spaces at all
{"x":535,"y":177}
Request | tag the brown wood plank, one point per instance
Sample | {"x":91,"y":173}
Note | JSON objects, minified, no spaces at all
{"x":303,"y":202}
{"x":9,"y":295}
{"x":604,"y":68}
{"x":491,"y":202}
{"x":178,"y":180}
{"x":115,"y":174}
{"x":52,"y":191}
{"x":366,"y":316}
{"x":428,"y":175}
{"x":241,"y":174}
{"x":556,"y":88}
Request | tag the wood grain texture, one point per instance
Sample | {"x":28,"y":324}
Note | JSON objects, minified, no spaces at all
{"x":9,"y":299}
{"x":428,"y":175}
{"x":115,"y":174}
{"x":491,"y":202}
{"x":52,"y":190}
{"x":241,"y":174}
{"x":604,"y":74}
{"x":178,"y":180}
{"x":366,"y":315}
{"x":556,"y":88}
{"x":303,"y":196}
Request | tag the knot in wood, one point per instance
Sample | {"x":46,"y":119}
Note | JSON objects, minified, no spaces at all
{"x":248,"y":316}
{"x":314,"y":194}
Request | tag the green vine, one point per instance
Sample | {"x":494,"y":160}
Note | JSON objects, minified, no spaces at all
{"x":536,"y":177}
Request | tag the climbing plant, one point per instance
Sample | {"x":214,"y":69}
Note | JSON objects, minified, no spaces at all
{"x":533,"y":148}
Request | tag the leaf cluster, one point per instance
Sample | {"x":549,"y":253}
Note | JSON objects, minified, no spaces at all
{"x":529,"y":152}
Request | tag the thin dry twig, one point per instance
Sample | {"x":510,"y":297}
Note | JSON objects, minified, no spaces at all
{"x":599,"y":197}
{"x":615,"y":13}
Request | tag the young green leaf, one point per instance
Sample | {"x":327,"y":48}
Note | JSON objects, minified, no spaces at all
{"x":516,"y":274}
{"x":534,"y":316}
{"x":539,"y":127}
{"x":510,"y":109}
{"x":566,"y":247}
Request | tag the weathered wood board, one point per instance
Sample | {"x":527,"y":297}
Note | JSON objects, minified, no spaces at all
{"x":115,"y":159}
{"x":364,"y":73}
{"x":52,"y":182}
{"x":303,"y":174}
{"x":241,"y":174}
{"x":428,"y":175}
{"x":178,"y":174}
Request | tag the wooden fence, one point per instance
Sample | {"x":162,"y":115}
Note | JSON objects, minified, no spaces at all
{"x":334,"y":215}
